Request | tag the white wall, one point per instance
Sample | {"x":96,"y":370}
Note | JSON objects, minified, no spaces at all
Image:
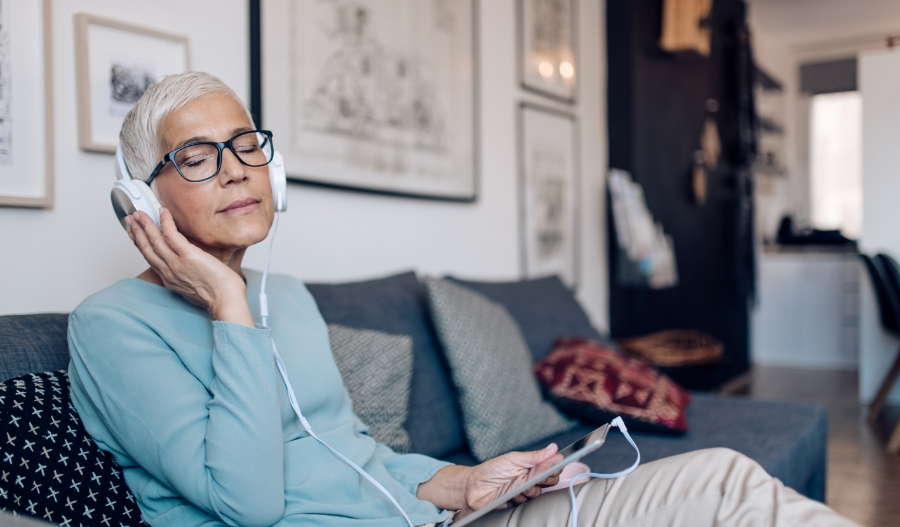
{"x":879,"y":81}
{"x":53,"y":259}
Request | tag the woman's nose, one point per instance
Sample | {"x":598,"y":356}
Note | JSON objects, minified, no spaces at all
{"x":232,"y":168}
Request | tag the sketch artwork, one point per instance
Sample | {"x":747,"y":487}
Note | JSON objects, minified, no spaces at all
{"x":127,"y":82}
{"x":547,"y":40}
{"x":367,"y":92}
{"x":5,"y":85}
{"x":548,"y":182}
{"x":382,"y":95}
{"x":549,"y":191}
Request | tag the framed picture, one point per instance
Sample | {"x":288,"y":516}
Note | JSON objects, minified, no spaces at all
{"x":547,"y":62}
{"x":26,"y":104}
{"x":115,"y":63}
{"x":372,"y":95}
{"x":548,"y":193}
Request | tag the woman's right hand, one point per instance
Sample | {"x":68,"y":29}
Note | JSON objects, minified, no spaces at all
{"x":186,"y":269}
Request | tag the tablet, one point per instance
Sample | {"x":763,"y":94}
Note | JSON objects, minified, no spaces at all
{"x":573,"y":452}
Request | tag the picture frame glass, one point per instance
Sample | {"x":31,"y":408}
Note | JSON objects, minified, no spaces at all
{"x":374,"y":95}
{"x":549,"y":182}
{"x":123,"y":64}
{"x":116,"y":62}
{"x":547,"y":39}
{"x":25,"y":177}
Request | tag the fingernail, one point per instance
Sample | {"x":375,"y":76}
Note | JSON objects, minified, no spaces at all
{"x":548,"y":446}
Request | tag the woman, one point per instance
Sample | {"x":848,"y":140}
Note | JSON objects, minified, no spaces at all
{"x":172,"y":377}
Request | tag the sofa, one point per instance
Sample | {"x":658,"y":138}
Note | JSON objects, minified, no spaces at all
{"x":788,"y":440}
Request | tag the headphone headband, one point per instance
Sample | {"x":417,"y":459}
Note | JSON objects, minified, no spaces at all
{"x":121,"y":168}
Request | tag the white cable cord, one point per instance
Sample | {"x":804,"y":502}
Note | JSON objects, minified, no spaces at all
{"x":263,"y":301}
{"x":618,"y":423}
{"x":264,"y":315}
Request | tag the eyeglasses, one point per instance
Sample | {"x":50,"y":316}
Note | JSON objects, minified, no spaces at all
{"x":200,"y":161}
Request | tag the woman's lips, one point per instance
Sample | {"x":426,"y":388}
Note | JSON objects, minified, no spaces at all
{"x":240,"y":206}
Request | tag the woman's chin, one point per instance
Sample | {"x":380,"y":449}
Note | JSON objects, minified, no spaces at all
{"x":243,"y":233}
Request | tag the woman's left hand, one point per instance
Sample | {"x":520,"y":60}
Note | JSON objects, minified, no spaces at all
{"x":495,"y":477}
{"x":468,"y":489}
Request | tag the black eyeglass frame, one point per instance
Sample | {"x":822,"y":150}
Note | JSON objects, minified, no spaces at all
{"x":220,"y":146}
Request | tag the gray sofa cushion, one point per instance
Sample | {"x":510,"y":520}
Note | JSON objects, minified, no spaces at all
{"x":397,"y":305}
{"x":499,"y":395}
{"x":377,"y":369}
{"x":33,"y":343}
{"x":544,"y":309}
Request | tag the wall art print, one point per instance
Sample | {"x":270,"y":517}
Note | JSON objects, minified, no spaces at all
{"x":115,"y":64}
{"x":547,"y":62}
{"x":376,"y":95}
{"x":26,"y":104}
{"x":548,"y":194}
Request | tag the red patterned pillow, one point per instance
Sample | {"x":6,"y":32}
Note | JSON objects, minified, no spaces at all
{"x":595,"y":383}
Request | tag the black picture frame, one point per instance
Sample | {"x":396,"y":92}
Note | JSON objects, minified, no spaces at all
{"x":257,"y":103}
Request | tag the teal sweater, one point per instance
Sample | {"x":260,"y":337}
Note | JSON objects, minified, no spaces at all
{"x":197,"y":416}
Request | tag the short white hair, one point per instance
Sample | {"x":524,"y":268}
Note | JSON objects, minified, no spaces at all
{"x":139,"y":136}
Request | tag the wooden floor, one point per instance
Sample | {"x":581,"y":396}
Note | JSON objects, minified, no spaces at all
{"x":863,"y":481}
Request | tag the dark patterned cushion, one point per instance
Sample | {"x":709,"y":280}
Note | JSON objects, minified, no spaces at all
{"x":50,"y":468}
{"x":377,"y":369}
{"x":595,"y":383}
{"x":491,"y":368}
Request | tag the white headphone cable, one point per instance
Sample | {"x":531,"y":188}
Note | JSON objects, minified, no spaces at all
{"x":618,"y":423}
{"x":263,"y":300}
{"x":264,"y":315}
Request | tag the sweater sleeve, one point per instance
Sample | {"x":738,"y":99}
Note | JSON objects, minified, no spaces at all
{"x":410,"y":470}
{"x":219,"y":447}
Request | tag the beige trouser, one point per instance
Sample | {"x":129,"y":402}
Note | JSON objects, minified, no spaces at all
{"x":703,"y":488}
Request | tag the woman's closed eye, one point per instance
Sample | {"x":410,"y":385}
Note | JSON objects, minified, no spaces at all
{"x":195,"y":161}
{"x":194,"y":157}
{"x":247,"y":149}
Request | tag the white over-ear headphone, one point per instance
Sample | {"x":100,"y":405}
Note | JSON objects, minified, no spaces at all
{"x":130,"y":195}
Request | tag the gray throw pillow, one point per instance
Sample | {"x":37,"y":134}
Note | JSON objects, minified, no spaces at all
{"x":377,"y":370}
{"x":490,"y":364}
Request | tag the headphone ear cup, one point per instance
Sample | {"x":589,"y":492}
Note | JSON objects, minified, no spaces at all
{"x":131,"y":195}
{"x":278,"y":179}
